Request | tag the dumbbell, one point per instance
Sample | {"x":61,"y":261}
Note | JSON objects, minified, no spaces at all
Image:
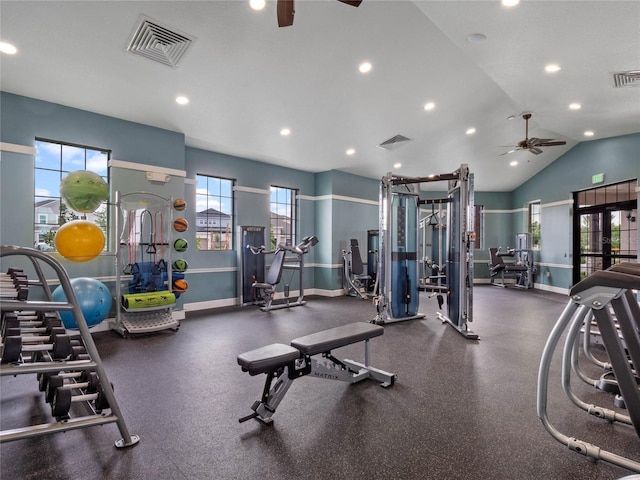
{"x":86,"y":380}
{"x":12,"y":323}
{"x":63,"y":398}
{"x":20,"y":293}
{"x":59,"y":346}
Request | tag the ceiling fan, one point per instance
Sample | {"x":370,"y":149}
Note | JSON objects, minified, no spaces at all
{"x":286,"y":10}
{"x":533,"y":144}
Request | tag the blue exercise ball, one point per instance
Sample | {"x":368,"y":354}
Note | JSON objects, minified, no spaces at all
{"x":94,"y":299}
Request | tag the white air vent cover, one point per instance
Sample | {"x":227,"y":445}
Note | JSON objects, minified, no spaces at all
{"x":394,"y":142}
{"x":158,"y":42}
{"x":626,"y":79}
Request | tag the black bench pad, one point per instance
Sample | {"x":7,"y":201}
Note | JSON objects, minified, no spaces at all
{"x":327,"y":340}
{"x":267,"y":358}
{"x":515,"y":268}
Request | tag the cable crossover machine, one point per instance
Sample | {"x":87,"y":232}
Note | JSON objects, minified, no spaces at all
{"x":397,"y":282}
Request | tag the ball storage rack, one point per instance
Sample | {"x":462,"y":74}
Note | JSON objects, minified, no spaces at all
{"x":39,"y":260}
{"x":143,"y":260}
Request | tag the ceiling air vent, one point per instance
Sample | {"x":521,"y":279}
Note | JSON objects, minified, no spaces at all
{"x":394,"y":142}
{"x":158,"y":42}
{"x":626,"y":79}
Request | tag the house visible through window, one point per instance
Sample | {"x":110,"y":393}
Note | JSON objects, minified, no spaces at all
{"x":214,"y":213}
{"x":534,"y":224}
{"x":55,"y":160}
{"x":283,"y":216}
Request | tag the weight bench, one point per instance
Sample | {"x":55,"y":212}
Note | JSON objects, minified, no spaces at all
{"x":284,"y":363}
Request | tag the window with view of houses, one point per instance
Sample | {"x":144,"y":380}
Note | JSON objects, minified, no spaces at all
{"x":53,"y":161}
{"x":214,"y":213}
{"x":283,"y":216}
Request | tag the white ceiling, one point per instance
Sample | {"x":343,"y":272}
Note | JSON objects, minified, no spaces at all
{"x":247,"y":78}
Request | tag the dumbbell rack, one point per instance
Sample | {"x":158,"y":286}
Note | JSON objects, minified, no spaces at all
{"x":38,"y":260}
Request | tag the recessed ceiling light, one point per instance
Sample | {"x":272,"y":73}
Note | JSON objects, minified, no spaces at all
{"x":552,"y":68}
{"x":351,"y":151}
{"x":510,"y":3}
{"x":588,"y":133}
{"x":397,"y":165}
{"x":257,"y":4}
{"x":429,"y":106}
{"x":285,"y":131}
{"x":476,"y":38}
{"x":513,"y":163}
{"x":575,"y":106}
{"x":182,"y":100}
{"x":470,"y":131}
{"x":365,"y":67}
{"x":8,"y":48}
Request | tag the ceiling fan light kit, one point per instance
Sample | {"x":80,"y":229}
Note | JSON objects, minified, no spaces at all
{"x":533,"y":144}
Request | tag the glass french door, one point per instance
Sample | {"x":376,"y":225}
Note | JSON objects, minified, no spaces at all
{"x":606,"y":237}
{"x":605,"y":228}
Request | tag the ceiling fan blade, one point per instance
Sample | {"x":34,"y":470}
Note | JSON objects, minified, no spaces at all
{"x":552,"y":144}
{"x":513,"y":149}
{"x":353,"y":3}
{"x":535,"y":150}
{"x":285,"y":10}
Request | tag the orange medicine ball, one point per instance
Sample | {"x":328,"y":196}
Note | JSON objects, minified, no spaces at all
{"x":180,"y":285}
{"x":180,"y":225}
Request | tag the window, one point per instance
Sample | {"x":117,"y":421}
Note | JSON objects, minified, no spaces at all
{"x":214,"y":213}
{"x":534,"y":224}
{"x":54,"y":160}
{"x":283,"y":216}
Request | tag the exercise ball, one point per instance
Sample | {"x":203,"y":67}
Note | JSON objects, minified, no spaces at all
{"x":93,"y":297}
{"x":79,"y":240}
{"x":180,"y":225}
{"x":179,"y":204}
{"x":84,"y":191}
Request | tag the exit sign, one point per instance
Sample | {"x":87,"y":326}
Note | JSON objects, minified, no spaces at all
{"x":597,"y":178}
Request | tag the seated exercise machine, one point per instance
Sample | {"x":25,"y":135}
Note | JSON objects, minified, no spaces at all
{"x":498,"y":267}
{"x":521,"y":268}
{"x":608,"y":298}
{"x":356,"y":280}
{"x":284,"y":363}
{"x":265,"y":291}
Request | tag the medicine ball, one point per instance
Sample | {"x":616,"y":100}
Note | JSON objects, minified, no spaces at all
{"x":179,"y":204}
{"x":180,"y":245}
{"x":180,"y":225}
{"x":180,"y":285}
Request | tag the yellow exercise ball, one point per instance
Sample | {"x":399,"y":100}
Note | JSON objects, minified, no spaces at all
{"x":79,"y":241}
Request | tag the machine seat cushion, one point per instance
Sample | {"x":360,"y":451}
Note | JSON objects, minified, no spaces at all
{"x":262,"y":285}
{"x":327,"y":340}
{"x":515,"y":268}
{"x":267,"y":358}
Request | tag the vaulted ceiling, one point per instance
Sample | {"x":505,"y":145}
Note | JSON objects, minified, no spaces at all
{"x":480,"y":63}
